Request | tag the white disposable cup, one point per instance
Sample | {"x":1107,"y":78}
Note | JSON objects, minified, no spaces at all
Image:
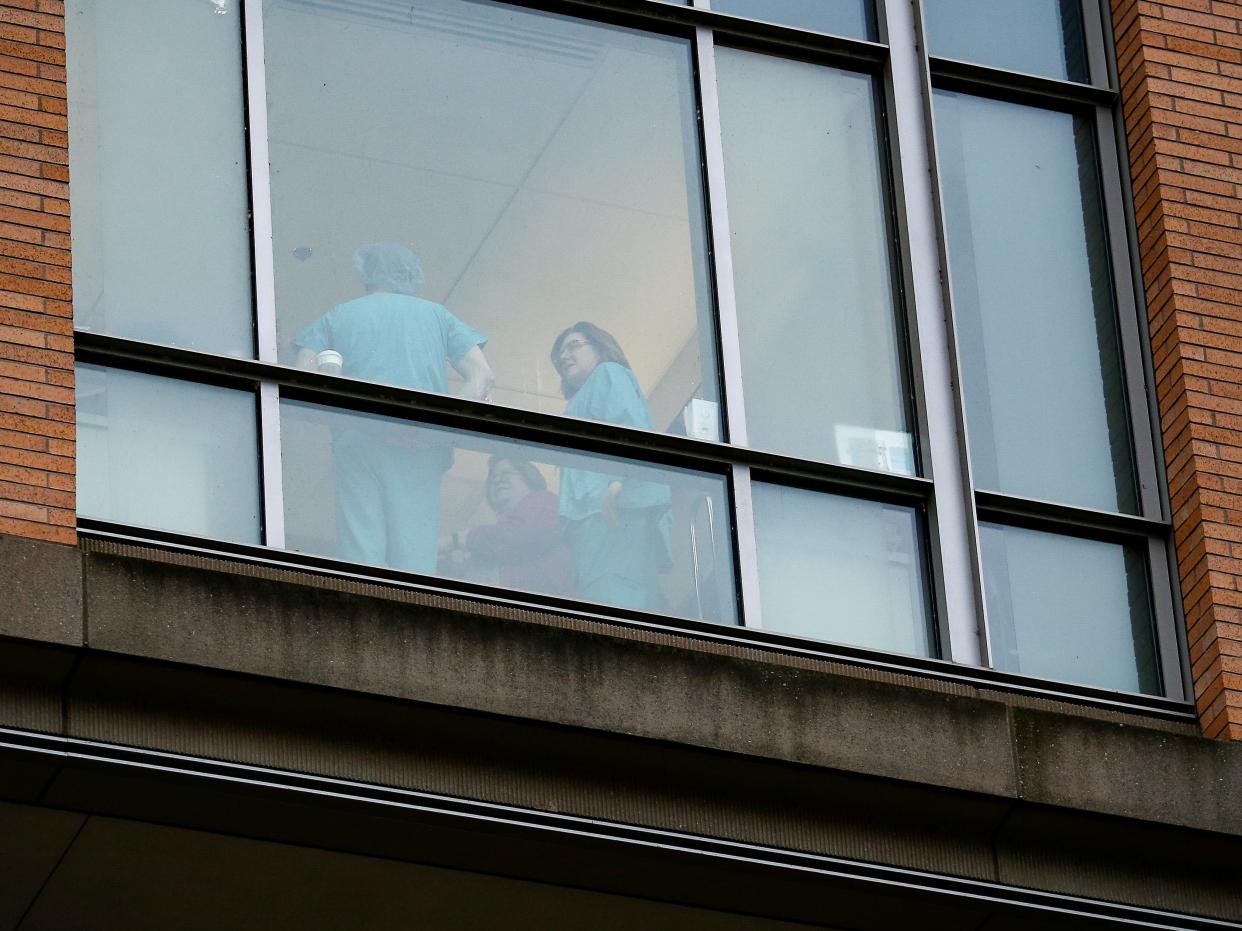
{"x":329,"y":362}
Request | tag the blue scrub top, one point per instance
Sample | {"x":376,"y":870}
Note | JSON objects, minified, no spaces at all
{"x":610,"y":394}
{"x":395,"y":339}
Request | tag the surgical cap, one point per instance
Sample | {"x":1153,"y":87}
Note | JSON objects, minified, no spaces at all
{"x":386,"y":266}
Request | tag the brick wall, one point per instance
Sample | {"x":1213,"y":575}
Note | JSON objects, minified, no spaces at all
{"x":1181,"y":74}
{"x":36,"y":323}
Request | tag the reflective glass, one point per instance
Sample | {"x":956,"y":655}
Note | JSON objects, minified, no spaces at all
{"x":1037,"y":330}
{"x":1068,"y":608}
{"x":1034,"y":36}
{"x":161,"y":240}
{"x":168,"y":454}
{"x":455,"y":186}
{"x":853,"y":18}
{"x":821,"y":363}
{"x":842,"y":569}
{"x":436,"y":501}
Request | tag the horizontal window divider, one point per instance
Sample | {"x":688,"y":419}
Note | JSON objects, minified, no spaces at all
{"x":415,"y":807}
{"x":889,"y":487}
{"x":976,"y":677}
{"x":653,"y":13}
{"x":1016,"y":86}
{"x":427,"y":408}
{"x":1036,"y":514}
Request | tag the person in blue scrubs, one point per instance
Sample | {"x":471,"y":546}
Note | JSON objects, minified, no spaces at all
{"x":388,"y":475}
{"x":618,"y":526}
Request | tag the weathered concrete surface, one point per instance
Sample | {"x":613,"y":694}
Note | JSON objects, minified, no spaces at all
{"x":509,"y":667}
{"x":278,"y":668}
{"x":42,"y":585}
{"x":1130,"y":772}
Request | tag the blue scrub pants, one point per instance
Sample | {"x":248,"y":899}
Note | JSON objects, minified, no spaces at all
{"x":617,"y":565}
{"x":388,"y":502}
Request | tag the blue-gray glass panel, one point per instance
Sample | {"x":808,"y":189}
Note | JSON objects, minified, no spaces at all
{"x":1032,"y":289}
{"x":161,"y":230}
{"x":821,"y":349}
{"x":1069,"y":608}
{"x":852,"y":18}
{"x":168,"y":454}
{"x":518,"y":171}
{"x":1034,"y":36}
{"x":524,"y":516}
{"x":842,"y":569}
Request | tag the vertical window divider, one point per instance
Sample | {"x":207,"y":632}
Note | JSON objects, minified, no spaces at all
{"x":952,"y":517}
{"x":726,"y":318}
{"x":271,"y":475}
{"x":747,"y":547}
{"x":1098,"y":70}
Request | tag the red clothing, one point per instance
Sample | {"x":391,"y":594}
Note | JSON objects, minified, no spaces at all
{"x":528,"y":546}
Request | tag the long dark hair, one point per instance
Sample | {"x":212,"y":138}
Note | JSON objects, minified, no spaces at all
{"x":604,"y":342}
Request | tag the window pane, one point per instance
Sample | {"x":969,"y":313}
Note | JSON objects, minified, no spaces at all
{"x":842,"y":569}
{"x":1037,"y":330}
{"x":168,"y":454}
{"x":519,"y":172}
{"x":161,"y":242}
{"x":436,"y":501}
{"x":1035,"y":36}
{"x":811,"y":250}
{"x":854,"y":18}
{"x":1068,"y":608}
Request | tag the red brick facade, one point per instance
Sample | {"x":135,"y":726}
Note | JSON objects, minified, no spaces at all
{"x":1181,"y":75}
{"x":36,"y":329}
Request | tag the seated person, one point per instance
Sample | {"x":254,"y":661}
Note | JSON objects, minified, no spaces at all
{"x":525,"y":546}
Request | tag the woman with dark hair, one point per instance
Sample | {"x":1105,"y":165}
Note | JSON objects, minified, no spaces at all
{"x":525,"y":546}
{"x":617,"y":526}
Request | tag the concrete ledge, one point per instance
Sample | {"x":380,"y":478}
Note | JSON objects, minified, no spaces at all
{"x":448,"y":652}
{"x":545,"y":669}
{"x":42,"y":591}
{"x":505,"y":666}
{"x":539,"y":766}
{"x":1129,"y":772}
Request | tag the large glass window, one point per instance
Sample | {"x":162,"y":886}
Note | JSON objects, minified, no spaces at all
{"x":525,"y":516}
{"x":821,"y":363}
{"x":1069,"y":608}
{"x":168,"y":454}
{"x":1036,"y":36}
{"x":842,"y":569}
{"x":683,"y":223}
{"x":842,"y":17}
{"x":161,"y":240}
{"x":456,"y":184}
{"x":1037,"y":328}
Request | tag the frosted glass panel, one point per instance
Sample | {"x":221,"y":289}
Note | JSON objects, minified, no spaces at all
{"x":169,"y":454}
{"x":842,"y":569}
{"x":1037,"y":329}
{"x":1067,"y":608}
{"x":1036,"y":36}
{"x":522,"y":516}
{"x":161,"y":242}
{"x":520,"y":172}
{"x":821,"y":363}
{"x":854,"y":18}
